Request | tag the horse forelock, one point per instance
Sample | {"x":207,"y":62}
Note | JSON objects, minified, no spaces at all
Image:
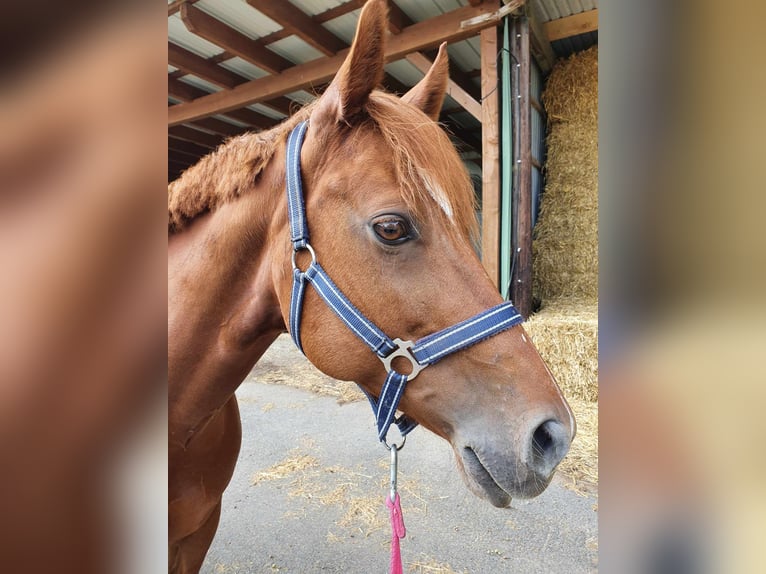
{"x":429,"y":172}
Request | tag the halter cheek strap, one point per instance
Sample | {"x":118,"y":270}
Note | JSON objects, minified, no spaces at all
{"x":420,"y":354}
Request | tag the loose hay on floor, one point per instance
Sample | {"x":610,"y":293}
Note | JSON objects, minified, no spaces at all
{"x":294,"y":463}
{"x":308,"y":378}
{"x":427,"y":565}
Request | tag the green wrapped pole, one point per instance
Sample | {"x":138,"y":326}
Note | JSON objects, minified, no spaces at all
{"x":506,"y":165}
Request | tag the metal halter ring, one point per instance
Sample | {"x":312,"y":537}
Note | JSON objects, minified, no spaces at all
{"x":393,"y":445}
{"x":403,"y":349}
{"x":309,"y":249}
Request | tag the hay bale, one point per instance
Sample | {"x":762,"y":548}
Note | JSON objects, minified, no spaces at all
{"x":565,"y":255}
{"x":565,"y":247}
{"x":569,"y":91}
{"x":566,"y":334}
{"x":580,"y":465}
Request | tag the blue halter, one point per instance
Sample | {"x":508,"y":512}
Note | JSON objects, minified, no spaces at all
{"x":420,"y":354}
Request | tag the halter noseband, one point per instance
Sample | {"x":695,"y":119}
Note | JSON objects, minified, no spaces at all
{"x":420,"y":354}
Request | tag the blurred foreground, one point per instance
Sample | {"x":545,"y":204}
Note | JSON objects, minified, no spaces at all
{"x":682,"y":309}
{"x":82,"y":289}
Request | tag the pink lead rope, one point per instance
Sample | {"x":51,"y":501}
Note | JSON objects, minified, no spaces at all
{"x":398,"y":531}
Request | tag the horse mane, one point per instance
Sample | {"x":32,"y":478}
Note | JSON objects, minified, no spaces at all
{"x":427,"y":168}
{"x":225,"y":173}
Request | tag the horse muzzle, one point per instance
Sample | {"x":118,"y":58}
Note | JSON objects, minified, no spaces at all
{"x":499,"y":471}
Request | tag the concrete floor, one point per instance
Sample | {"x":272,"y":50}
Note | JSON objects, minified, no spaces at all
{"x":326,"y":512}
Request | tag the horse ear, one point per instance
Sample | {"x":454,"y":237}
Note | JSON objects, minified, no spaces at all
{"x":362,"y":70}
{"x":428,"y":94}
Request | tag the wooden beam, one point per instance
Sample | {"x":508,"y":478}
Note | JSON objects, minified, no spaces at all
{"x":175,"y":5}
{"x":218,"y":126}
{"x":423,"y":35}
{"x":236,"y":43}
{"x":191,"y":63}
{"x":338,"y":11}
{"x":571,"y":25}
{"x":179,"y":164}
{"x":186,"y":147}
{"x":195,"y":136}
{"x":456,"y":92}
{"x":252,"y":118}
{"x":470,"y":140}
{"x":183,"y":91}
{"x":461,"y":78}
{"x":281,"y":104}
{"x":397,"y":19}
{"x":395,"y":86}
{"x":521,"y":280}
{"x":186,"y":93}
{"x":490,"y":154}
{"x":540,"y":46}
{"x":299,"y":23}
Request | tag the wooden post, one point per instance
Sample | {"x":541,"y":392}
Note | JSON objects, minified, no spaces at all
{"x":521,"y":280}
{"x":490,"y":156}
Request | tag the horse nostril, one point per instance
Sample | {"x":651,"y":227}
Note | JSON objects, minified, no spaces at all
{"x":550,"y":442}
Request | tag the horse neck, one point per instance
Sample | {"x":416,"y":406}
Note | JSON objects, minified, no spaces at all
{"x":223,"y":310}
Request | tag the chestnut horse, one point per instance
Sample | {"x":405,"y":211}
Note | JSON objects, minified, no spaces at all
{"x":391,"y":214}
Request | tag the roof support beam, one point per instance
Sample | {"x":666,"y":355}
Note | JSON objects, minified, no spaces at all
{"x":490,"y":156}
{"x":299,"y":23}
{"x":252,"y":118}
{"x":186,"y":148}
{"x":236,"y":43}
{"x":175,"y":5}
{"x":217,"y":126}
{"x":186,"y":93}
{"x":571,"y":25}
{"x":191,"y":63}
{"x":539,"y":45}
{"x":422,"y":35}
{"x":183,"y":91}
{"x":521,"y":278}
{"x":457,"y":93}
{"x":397,"y":19}
{"x":195,"y":136}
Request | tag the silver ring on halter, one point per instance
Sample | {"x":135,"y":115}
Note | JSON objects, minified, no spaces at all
{"x":404,"y":350}
{"x":310,"y":250}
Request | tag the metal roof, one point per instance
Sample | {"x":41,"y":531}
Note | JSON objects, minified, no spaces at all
{"x":206,"y":67}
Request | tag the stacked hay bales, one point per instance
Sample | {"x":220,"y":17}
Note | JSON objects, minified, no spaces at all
{"x":565,"y":252}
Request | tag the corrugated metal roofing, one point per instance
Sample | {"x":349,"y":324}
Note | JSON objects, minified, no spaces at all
{"x":547,"y":10}
{"x":465,"y":56}
{"x":244,"y":68}
{"x":240,"y":16}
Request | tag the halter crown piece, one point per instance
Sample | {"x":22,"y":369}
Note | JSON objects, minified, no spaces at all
{"x":421,"y":353}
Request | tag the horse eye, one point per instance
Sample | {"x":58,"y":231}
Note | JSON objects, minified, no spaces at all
{"x":391,"y":229}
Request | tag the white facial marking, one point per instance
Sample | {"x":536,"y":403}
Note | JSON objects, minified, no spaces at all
{"x":523,"y":337}
{"x":437,"y":193}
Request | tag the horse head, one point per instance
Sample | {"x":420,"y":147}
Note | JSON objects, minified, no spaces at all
{"x":391,"y":213}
